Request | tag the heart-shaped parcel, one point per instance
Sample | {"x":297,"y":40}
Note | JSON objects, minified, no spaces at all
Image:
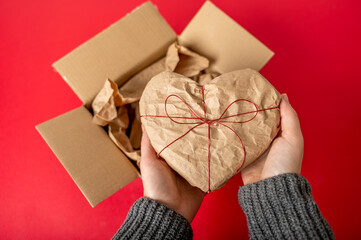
{"x":208,"y":133}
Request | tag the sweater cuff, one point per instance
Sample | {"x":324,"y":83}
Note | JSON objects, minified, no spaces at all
{"x":282,"y":207}
{"x":149,"y":219}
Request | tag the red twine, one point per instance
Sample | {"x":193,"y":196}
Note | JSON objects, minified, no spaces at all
{"x":200,"y":121}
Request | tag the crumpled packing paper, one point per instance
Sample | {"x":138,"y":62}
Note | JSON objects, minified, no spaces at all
{"x":118,"y":108}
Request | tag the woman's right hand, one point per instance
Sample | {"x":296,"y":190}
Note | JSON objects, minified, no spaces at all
{"x":285,"y":153}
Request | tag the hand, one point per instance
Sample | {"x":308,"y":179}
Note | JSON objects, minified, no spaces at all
{"x":163,"y":185}
{"x":285,"y":153}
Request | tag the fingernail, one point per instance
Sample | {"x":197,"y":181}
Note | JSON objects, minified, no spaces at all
{"x":285,"y":97}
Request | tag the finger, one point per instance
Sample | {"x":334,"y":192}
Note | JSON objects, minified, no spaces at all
{"x":290,"y":124}
{"x":147,"y":151}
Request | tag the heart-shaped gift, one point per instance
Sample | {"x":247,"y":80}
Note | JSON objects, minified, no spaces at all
{"x":207,"y":133}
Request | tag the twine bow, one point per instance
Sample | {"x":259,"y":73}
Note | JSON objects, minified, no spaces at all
{"x":203,"y":120}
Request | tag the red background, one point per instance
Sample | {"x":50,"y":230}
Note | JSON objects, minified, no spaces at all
{"x":317,"y":62}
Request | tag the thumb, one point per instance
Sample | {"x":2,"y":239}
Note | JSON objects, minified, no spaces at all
{"x":147,"y":151}
{"x":290,"y":124}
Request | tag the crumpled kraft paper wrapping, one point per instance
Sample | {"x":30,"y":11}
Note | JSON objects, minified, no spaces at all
{"x":188,"y":154}
{"x":119,"y":108}
{"x":183,"y":61}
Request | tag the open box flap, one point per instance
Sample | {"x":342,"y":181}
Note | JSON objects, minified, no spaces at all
{"x":118,"y":52}
{"x":222,"y":40}
{"x":96,"y":165}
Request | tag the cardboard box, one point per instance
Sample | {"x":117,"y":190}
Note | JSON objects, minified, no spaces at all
{"x":131,"y":44}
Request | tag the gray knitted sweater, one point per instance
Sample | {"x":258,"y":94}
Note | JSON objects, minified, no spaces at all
{"x":280,"y":207}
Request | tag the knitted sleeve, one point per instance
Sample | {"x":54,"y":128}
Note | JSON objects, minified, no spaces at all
{"x":282,"y":207}
{"x":148,"y":219}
